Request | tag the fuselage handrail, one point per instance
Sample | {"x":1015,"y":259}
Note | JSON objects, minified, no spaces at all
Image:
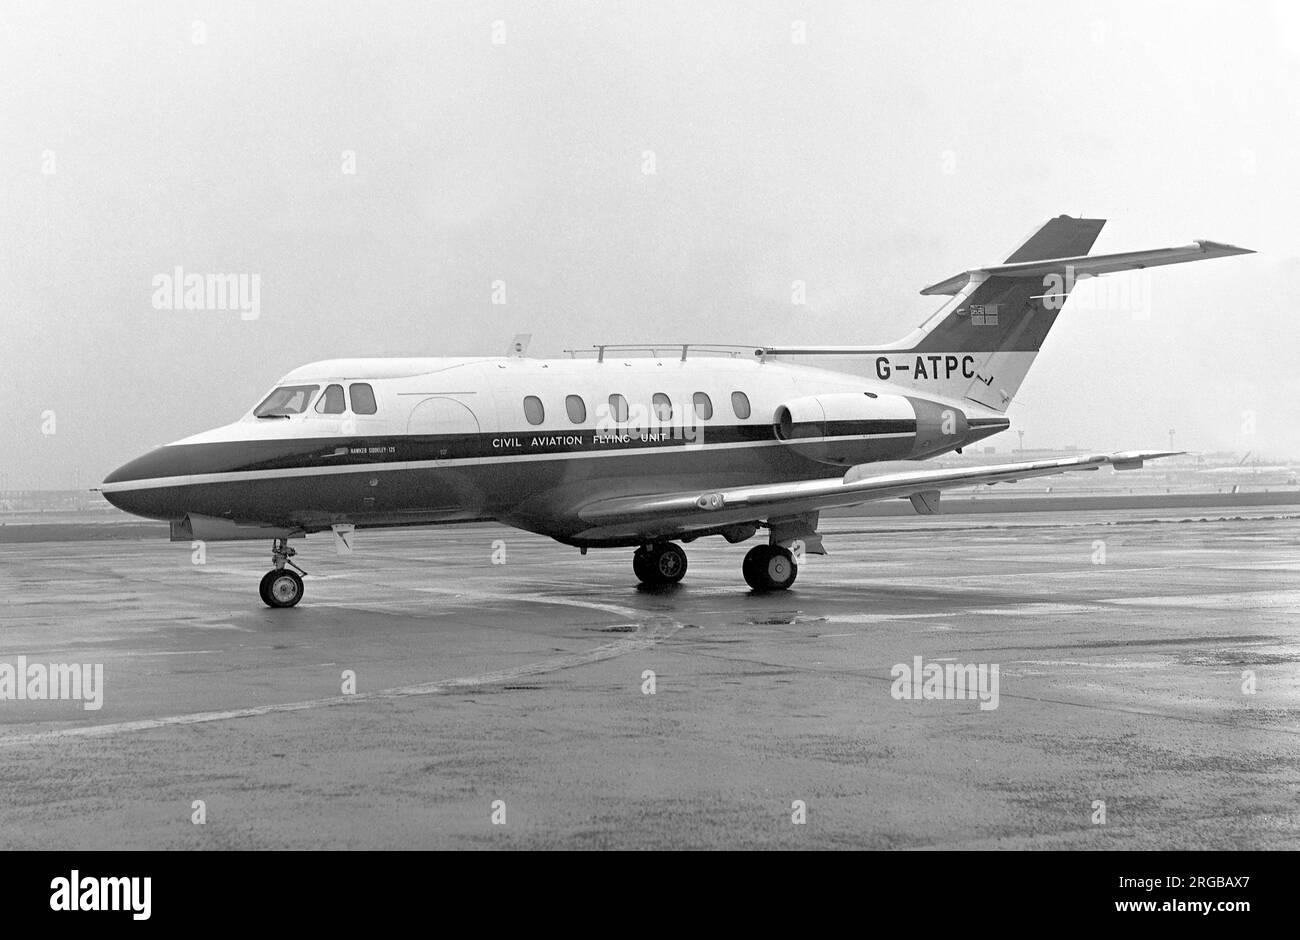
{"x":681,"y":350}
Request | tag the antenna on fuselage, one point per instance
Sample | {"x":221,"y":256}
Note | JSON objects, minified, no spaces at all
{"x":519,"y":346}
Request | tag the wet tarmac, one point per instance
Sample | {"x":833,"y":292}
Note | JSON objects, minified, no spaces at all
{"x":510,"y":693}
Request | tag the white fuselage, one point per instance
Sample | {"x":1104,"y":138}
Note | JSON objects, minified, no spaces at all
{"x":526,"y":440}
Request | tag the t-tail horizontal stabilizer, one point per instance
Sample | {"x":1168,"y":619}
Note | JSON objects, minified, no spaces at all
{"x":1090,"y":265}
{"x":999,"y":316}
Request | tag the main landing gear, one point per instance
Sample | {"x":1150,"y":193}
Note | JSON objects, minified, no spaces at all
{"x":660,"y":563}
{"x":766,"y":567}
{"x":281,"y":587}
{"x":769,"y":568}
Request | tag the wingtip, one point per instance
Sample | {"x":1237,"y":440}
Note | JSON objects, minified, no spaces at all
{"x":1145,"y":454}
{"x":1223,"y":248}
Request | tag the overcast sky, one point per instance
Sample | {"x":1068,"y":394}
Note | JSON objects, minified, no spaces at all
{"x":896,"y":145}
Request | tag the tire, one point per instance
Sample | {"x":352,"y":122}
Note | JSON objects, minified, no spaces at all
{"x":282,"y":588}
{"x":769,"y":568}
{"x":641,"y":567}
{"x":668,"y":562}
{"x":750,"y":566}
{"x":779,"y":569}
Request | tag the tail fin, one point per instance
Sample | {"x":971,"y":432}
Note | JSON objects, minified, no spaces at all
{"x":979,"y":346}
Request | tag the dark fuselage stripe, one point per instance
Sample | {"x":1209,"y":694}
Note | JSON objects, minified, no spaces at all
{"x":335,"y":454}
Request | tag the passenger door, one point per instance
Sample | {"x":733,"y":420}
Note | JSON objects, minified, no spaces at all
{"x":449,"y":427}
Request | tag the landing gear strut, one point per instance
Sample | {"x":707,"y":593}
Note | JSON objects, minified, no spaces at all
{"x":769,"y":568}
{"x":281,"y":587}
{"x":660,"y":563}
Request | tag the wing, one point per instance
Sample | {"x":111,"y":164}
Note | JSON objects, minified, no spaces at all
{"x":664,"y":514}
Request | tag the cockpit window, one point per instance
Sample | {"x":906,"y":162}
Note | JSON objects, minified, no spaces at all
{"x":286,"y":400}
{"x":363,"y":399}
{"x":331,"y":403}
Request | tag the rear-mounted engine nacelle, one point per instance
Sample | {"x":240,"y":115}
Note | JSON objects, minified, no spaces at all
{"x":939,"y":427}
{"x":847,"y":428}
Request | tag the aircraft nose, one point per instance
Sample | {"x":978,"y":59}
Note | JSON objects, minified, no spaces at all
{"x":140,"y":486}
{"x":127,"y":500}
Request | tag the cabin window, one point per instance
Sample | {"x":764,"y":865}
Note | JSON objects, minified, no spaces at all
{"x":663,"y":407}
{"x":286,"y":400}
{"x":618,"y":407}
{"x":577,"y":408}
{"x":331,"y":402}
{"x":533,"y":410}
{"x":363,"y":399}
{"x":703,"y":406}
{"x":740,"y":404}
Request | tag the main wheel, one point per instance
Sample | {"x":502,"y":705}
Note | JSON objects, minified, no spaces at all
{"x":281,"y":587}
{"x":641,"y":566}
{"x":662,"y":563}
{"x":668,"y":562}
{"x":750,"y":566}
{"x":769,"y":568}
{"x":779,"y":570}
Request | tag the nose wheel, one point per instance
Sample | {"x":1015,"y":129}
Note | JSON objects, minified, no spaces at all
{"x":661,"y":563}
{"x":769,"y":568}
{"x":282,"y":586}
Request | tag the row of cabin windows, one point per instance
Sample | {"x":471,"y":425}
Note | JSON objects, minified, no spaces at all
{"x":660,"y":403}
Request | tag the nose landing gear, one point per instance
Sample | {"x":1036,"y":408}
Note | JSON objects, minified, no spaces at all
{"x":281,"y":587}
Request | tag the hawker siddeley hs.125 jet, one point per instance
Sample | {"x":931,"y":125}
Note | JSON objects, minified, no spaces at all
{"x":640,"y":447}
